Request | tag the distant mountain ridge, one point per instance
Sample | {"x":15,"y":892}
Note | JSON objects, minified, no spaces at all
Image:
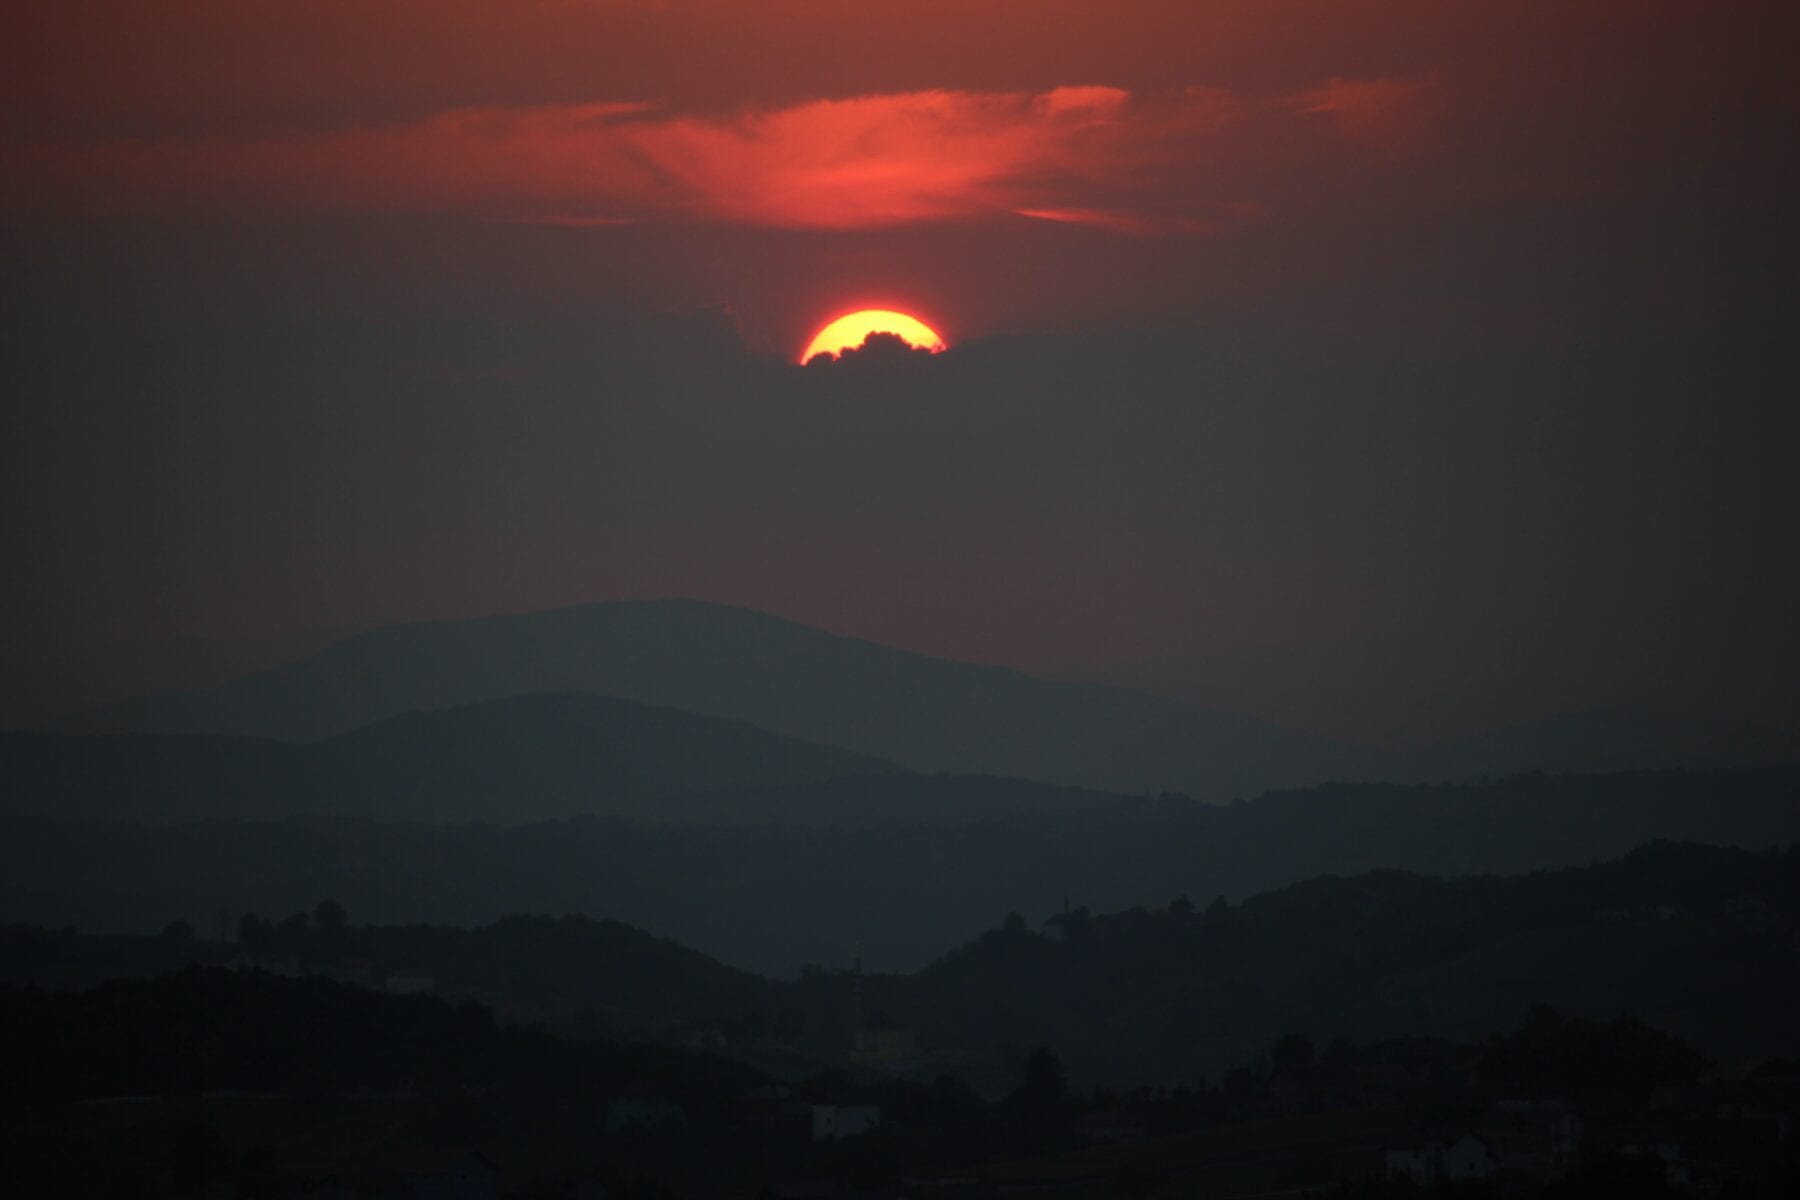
{"x":1601,"y":740}
{"x":527,"y":758}
{"x":1353,"y":691}
{"x":920,"y":712}
{"x":573,"y":753}
{"x":771,"y":897}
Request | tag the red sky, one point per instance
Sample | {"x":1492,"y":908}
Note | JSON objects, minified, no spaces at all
{"x":1192,"y":121}
{"x":304,"y":278}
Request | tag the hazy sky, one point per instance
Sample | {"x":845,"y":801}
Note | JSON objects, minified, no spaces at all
{"x":1384,"y":366}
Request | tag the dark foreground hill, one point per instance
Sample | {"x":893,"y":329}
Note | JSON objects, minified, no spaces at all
{"x":1700,"y":941}
{"x":202,"y":1030}
{"x":209,"y":1082}
{"x":925,"y":713}
{"x":774,"y":898}
{"x":529,"y":758}
{"x":591,"y":976}
{"x":195,"y":1084}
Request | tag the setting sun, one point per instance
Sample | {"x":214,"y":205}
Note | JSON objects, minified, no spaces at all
{"x":847,"y":332}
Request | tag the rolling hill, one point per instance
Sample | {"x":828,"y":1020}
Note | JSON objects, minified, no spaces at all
{"x":773,"y":897}
{"x":1693,"y":939}
{"x":527,"y":758}
{"x":923,"y":713}
{"x":1696,"y":940}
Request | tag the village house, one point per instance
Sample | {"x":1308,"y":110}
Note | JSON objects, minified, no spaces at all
{"x":884,"y":1042}
{"x":1531,"y":1136}
{"x":833,"y":1121}
{"x":1109,"y":1126}
{"x":1466,"y":1157}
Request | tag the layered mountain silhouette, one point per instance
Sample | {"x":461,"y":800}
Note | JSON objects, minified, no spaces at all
{"x":569,"y":753}
{"x":1693,"y":939}
{"x":1605,"y":740}
{"x":920,"y":712}
{"x":528,"y":758}
{"x":520,"y":759}
{"x":771,"y":897}
{"x":908,"y":710}
{"x":1453,"y":734}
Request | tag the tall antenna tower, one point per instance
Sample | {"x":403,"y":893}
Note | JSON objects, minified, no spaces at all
{"x":856,"y":999}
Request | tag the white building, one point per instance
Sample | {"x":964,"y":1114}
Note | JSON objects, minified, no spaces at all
{"x":1468,"y":1157}
{"x":833,"y":1121}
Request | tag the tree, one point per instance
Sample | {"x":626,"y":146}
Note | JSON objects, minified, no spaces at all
{"x":1041,"y":1102}
{"x":198,"y":1158}
{"x":1014,"y":925}
{"x":752,"y":1025}
{"x":330,"y":917}
{"x":291,"y":934}
{"x":179,"y":932}
{"x":1339,"y":1059}
{"x":1137,"y":1181}
{"x":254,"y":934}
{"x":790,"y":1024}
{"x":1046,"y":1085}
{"x":1292,"y":1054}
{"x":1071,"y":924}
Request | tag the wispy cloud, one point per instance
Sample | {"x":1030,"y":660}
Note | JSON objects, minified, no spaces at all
{"x":1386,"y":114}
{"x":1086,"y":155}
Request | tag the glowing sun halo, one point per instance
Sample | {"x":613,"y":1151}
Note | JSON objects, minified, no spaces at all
{"x":848,"y":332}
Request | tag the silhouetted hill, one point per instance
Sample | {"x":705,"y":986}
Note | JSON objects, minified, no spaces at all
{"x":1697,"y":940}
{"x":772,"y":898}
{"x":155,"y":777}
{"x":209,"y":1082}
{"x":1516,"y":823}
{"x":520,"y":759}
{"x":924,"y":713}
{"x":1287,"y":680}
{"x":1605,"y":740}
{"x":533,"y":757}
{"x":598,"y":976}
{"x":207,"y":1029}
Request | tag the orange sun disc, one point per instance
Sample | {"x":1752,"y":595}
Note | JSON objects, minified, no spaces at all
{"x":848,"y":332}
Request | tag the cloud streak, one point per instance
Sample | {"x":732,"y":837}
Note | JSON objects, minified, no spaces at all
{"x":1384,"y":114}
{"x":1089,"y":155}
